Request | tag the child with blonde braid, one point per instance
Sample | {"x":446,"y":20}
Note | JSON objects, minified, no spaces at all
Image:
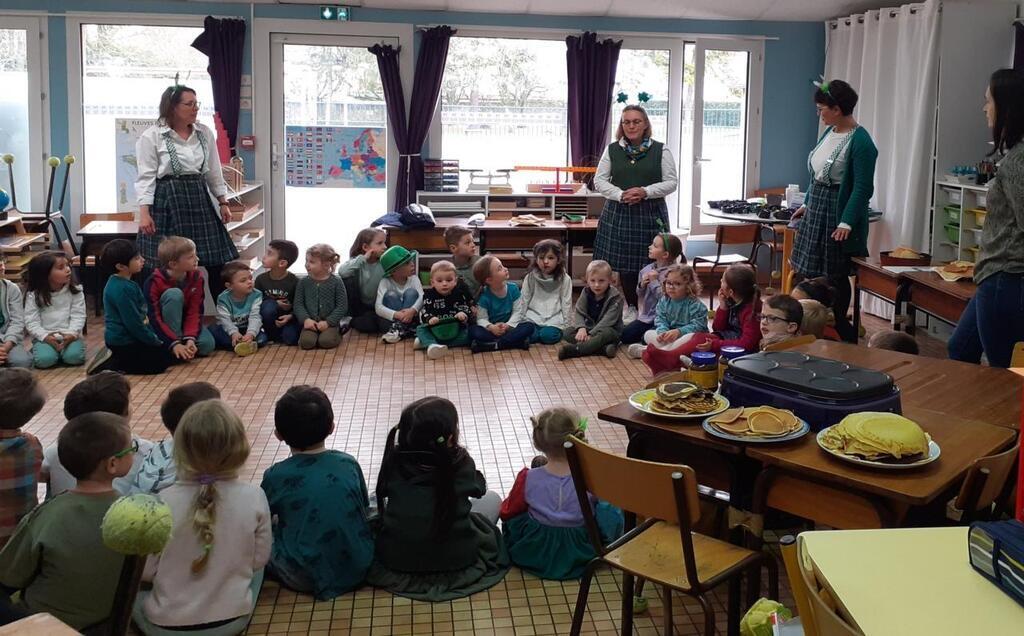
{"x":208,"y":577}
{"x":541,"y":518}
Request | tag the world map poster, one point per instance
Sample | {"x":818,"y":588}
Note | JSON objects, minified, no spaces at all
{"x":335,"y":157}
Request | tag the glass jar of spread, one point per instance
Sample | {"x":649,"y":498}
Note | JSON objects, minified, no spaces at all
{"x":703,"y":369}
{"x":728,"y":353}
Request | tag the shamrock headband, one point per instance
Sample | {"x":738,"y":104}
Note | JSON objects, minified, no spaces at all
{"x":822,"y":85}
{"x":642,"y":98}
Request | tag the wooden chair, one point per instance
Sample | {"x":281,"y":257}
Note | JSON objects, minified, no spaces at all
{"x":819,"y":615}
{"x":663,"y":549}
{"x":801,"y":594}
{"x":988,"y":481}
{"x":709,"y":270}
{"x":1017,"y":357}
{"x":792,"y":342}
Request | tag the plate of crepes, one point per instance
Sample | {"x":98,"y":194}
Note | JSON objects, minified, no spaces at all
{"x":679,"y":400}
{"x":879,"y":440}
{"x":956,"y":270}
{"x":758,"y":424}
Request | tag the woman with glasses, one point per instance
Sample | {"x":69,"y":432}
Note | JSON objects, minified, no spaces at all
{"x":834,"y":226}
{"x":635,"y":175}
{"x":179,"y":177}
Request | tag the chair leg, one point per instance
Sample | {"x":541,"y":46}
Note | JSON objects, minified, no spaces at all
{"x":773,"y":576}
{"x":709,"y":615}
{"x":627,"y":604}
{"x":581,"y":598}
{"x":667,"y":602}
{"x":733,"y":605}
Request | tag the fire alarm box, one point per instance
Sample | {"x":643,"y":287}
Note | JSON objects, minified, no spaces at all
{"x":247,"y":142}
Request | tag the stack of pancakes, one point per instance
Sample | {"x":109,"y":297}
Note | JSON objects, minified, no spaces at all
{"x":683,"y":398}
{"x":885,"y":437}
{"x":757,"y":421}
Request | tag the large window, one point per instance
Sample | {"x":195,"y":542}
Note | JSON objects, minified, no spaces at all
{"x":125,"y":68}
{"x":503,"y":104}
{"x":21,"y":127}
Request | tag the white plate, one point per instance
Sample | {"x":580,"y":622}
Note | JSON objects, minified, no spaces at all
{"x":798,"y":433}
{"x":641,"y":401}
{"x":933,"y":453}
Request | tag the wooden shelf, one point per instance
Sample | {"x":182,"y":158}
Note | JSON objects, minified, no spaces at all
{"x":244,"y":190}
{"x":248,"y":240}
{"x":14,"y":243}
{"x":247,"y":218}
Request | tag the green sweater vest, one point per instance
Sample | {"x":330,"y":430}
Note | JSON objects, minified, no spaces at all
{"x":627,"y":173}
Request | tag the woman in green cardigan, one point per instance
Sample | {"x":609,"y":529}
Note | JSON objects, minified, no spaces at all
{"x":834,"y":225}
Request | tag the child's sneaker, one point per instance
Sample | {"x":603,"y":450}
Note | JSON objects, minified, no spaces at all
{"x":393,"y":335}
{"x":436,"y":351}
{"x":476,"y":346}
{"x":246,"y":348}
{"x":636,"y":350}
{"x":99,"y":362}
{"x":629,"y":314}
{"x":611,"y":350}
{"x":568,"y":351}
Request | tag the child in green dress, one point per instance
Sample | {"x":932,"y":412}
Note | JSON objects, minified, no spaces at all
{"x":318,"y":502}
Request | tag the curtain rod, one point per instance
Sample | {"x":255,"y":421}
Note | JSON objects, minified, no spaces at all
{"x":628,"y":34}
{"x":834,"y":23}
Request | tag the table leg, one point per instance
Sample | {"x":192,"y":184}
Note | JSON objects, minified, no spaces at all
{"x":856,"y":302}
{"x":788,"y":238}
{"x":902,"y":295}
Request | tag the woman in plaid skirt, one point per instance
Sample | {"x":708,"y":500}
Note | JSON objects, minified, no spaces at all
{"x":635,"y":175}
{"x":179,"y":170}
{"x":834,"y":225}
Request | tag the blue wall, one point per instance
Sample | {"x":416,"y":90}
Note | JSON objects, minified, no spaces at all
{"x":789,"y":122}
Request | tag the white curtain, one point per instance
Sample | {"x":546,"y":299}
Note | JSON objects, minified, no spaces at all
{"x":891,"y":58}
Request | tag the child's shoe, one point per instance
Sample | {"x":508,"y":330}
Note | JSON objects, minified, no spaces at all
{"x":568,"y":351}
{"x":611,"y":350}
{"x":393,"y":335}
{"x":636,"y":350}
{"x":477,"y":346}
{"x":246,"y":348}
{"x":436,"y":351}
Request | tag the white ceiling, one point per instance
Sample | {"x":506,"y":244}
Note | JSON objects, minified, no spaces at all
{"x":783,"y":10}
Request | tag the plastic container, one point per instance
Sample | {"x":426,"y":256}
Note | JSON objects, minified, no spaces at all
{"x":979,"y":216}
{"x":817,"y":390}
{"x":952,"y":214}
{"x":727,"y":354}
{"x":953,"y":233}
{"x":703,"y":369}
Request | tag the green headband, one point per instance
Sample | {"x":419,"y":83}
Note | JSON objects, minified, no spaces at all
{"x":822,"y":85}
{"x":641,"y":97}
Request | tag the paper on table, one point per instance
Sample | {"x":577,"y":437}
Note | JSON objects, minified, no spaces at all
{"x":903,"y":269}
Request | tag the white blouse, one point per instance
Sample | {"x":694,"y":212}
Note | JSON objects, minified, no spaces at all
{"x":668,"y":184}
{"x":154,"y":161}
{"x":822,"y":154}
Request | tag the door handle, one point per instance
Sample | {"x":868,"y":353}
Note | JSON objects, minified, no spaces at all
{"x":701,"y":160}
{"x":274,"y":161}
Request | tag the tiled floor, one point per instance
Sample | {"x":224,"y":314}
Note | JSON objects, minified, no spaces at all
{"x":369,"y":383}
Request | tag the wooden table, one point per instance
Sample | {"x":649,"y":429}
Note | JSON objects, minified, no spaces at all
{"x":937,"y":297}
{"x":909,"y":582}
{"x":430,"y":239}
{"x":881,"y":282}
{"x":967,"y":391}
{"x":94,"y":235}
{"x":37,"y":625}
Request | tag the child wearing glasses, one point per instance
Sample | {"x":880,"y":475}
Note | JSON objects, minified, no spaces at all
{"x":781,"y":317}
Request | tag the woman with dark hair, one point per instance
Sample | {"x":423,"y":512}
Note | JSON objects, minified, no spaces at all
{"x":834,"y":226}
{"x":179,"y":170}
{"x":635,"y":174}
{"x":994,"y":319}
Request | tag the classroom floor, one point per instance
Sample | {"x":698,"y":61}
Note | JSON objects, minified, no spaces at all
{"x":369,"y":383}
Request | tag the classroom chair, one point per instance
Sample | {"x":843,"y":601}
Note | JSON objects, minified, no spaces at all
{"x":1017,"y":357}
{"x":988,"y":482}
{"x":816,"y":608}
{"x":709,"y":269}
{"x":663,"y":549}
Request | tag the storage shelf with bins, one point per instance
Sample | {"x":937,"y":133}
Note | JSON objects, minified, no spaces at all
{"x":18,"y":245}
{"x":466,"y":204}
{"x":248,"y":225}
{"x":956,"y":232}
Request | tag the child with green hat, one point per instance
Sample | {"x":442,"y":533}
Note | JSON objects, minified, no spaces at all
{"x":399,"y":295}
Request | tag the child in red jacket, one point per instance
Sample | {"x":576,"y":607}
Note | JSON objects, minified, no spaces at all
{"x":175,"y":293}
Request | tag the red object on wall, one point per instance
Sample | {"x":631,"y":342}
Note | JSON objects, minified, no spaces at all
{"x":247,"y":142}
{"x":223,"y":145}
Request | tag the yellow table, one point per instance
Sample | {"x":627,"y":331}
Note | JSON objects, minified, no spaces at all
{"x":913,"y":581}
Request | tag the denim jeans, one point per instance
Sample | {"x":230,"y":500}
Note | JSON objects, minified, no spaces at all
{"x":223,"y":340}
{"x":172,"y":308}
{"x":288,"y":334}
{"x":634,"y":331}
{"x":992,"y":323}
{"x":512,"y":339}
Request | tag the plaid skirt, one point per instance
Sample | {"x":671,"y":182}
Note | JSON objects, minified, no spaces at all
{"x":182,"y":207}
{"x":625,"y":231}
{"x":815,"y":253}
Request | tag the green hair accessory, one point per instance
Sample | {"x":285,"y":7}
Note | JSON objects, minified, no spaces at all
{"x":582,"y":426}
{"x":822,"y":85}
{"x":643,"y":98}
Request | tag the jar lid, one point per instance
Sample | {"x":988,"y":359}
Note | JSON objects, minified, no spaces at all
{"x":732,"y":352}
{"x":703,"y":357}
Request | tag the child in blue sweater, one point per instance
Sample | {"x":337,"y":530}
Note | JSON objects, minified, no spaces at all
{"x":239,"y":323}
{"x":132,"y":346}
{"x":499,"y":300}
{"x":679,"y":315}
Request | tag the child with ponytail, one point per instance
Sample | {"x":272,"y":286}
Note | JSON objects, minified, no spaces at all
{"x":208,"y":577}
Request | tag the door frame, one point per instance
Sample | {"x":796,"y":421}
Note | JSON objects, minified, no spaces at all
{"x":264,"y":33}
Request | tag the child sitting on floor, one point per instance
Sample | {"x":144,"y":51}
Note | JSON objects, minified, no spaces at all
{"x":318,"y":502}
{"x":57,"y":558}
{"x":321,"y":305}
{"x":278,"y":287}
{"x":547,"y":294}
{"x":210,"y":573}
{"x":131,"y":344}
{"x":362,"y":274}
{"x":438,"y":539}
{"x":176,"y":293}
{"x":499,"y":301}
{"x":541,"y":517}
{"x":54,"y":312}
{"x":679,"y":316}
{"x":781,"y":317}
{"x":459,"y":240}
{"x":894,"y":341}
{"x":105,"y":392}
{"x":665,"y":251}
{"x":399,"y":295}
{"x":239,"y":323}
{"x":158,"y":469}
{"x":445,"y":314}
{"x":596,"y":322}
{"x":816,"y":317}
{"x":12,"y":322}
{"x":821,"y":290}
{"x":21,"y":398}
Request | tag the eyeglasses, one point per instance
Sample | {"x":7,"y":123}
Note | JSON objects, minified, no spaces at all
{"x":632,"y":122}
{"x":192,"y":104}
{"x":134,"y":448}
{"x":770,"y":318}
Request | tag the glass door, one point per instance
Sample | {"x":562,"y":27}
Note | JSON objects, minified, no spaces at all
{"x":21,"y":109}
{"x":727,"y":82}
{"x":329,"y":139}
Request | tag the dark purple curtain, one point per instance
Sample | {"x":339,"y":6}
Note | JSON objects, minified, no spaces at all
{"x":394,"y":97}
{"x":591,"y":69}
{"x":1018,"y":46}
{"x":223,"y":42}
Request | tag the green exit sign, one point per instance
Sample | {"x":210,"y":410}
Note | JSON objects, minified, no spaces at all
{"x":332,"y":12}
